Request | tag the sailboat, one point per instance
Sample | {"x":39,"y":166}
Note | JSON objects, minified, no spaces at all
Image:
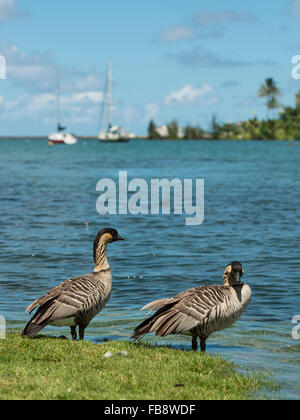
{"x":59,"y":137}
{"x":113,"y":133}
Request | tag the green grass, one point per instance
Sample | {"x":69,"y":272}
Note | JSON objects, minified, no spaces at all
{"x":48,"y":368}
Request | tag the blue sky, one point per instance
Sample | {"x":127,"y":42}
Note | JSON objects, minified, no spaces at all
{"x":171,"y":59}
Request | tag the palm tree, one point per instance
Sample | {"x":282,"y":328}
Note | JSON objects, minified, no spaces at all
{"x":270,"y":90}
{"x":152,"y":130}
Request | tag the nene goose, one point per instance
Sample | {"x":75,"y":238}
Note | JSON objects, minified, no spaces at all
{"x":77,"y":300}
{"x":200,"y":311}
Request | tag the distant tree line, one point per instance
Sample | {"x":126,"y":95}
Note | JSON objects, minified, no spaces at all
{"x":286,"y":126}
{"x":174,"y":131}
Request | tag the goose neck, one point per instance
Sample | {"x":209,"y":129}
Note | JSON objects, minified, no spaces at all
{"x":100,"y":258}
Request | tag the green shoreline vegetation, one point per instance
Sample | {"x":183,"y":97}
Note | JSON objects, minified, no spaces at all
{"x":285,"y":127}
{"x":49,"y":368}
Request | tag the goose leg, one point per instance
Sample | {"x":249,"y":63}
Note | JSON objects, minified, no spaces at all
{"x":194,"y":344}
{"x":73,"y":333}
{"x":81,"y":332}
{"x":203,"y":343}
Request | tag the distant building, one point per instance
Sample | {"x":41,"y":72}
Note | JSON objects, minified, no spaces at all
{"x":163,"y":132}
{"x":180,"y":133}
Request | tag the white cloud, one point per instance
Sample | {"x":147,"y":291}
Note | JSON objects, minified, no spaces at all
{"x":75,"y":108}
{"x":40,"y":103}
{"x":37,"y":71}
{"x":176,"y":33}
{"x":204,"y":24}
{"x":94,"y":97}
{"x":187,"y":95}
{"x":27,"y":68}
{"x":28,"y":106}
{"x":9,"y":10}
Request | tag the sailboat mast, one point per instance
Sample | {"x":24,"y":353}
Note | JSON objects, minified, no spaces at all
{"x":109,"y":106}
{"x":58,"y":97}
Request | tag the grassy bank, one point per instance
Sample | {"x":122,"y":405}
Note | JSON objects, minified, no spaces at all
{"x":48,"y":368}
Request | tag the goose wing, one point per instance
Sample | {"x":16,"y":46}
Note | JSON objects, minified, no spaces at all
{"x":157,"y":304}
{"x":63,"y":301}
{"x":180,"y":314}
{"x":53,"y":293}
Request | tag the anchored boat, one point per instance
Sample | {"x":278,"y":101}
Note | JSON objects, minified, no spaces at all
{"x":113,"y":133}
{"x":59,"y":137}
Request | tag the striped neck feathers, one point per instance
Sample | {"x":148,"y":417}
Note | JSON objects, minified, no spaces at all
{"x":100,"y":258}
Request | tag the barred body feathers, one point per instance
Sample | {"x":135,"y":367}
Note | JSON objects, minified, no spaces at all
{"x":199,"y":311}
{"x":76,"y":301}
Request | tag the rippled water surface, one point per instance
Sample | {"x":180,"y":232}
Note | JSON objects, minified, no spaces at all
{"x":48,"y":221}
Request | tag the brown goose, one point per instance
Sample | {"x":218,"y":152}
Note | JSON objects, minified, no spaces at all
{"x":200,"y":311}
{"x":79,"y":299}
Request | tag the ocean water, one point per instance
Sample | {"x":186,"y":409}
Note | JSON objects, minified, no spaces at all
{"x":48,"y":221}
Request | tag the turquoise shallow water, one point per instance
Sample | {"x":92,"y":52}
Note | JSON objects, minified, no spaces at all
{"x":48,"y":221}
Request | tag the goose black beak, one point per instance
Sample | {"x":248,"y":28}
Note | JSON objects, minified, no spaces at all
{"x":119,"y":238}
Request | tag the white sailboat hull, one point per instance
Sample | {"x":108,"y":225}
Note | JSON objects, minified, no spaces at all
{"x":114,"y":134}
{"x":62,"y":138}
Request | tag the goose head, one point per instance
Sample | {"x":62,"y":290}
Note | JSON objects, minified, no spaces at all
{"x":106,"y":236}
{"x":103,"y":238}
{"x":233,"y":273}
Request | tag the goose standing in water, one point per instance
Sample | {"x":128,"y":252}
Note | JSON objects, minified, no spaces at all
{"x":200,"y":311}
{"x":79,"y":299}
